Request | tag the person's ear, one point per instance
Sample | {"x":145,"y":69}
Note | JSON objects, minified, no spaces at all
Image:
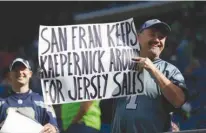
{"x":30,"y":73}
{"x":138,"y":35}
{"x":138,"y":39}
{"x":9,"y":77}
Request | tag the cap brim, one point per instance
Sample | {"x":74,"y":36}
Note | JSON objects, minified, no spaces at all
{"x":162,"y":26}
{"x":17,"y":61}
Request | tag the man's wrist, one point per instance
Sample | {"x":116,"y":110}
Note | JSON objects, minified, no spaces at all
{"x":74,"y":121}
{"x":162,"y":81}
{"x":153,"y":69}
{"x":57,"y":129}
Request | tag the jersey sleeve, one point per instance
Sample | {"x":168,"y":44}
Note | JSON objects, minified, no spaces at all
{"x":49,"y":115}
{"x":2,"y":112}
{"x":176,"y":77}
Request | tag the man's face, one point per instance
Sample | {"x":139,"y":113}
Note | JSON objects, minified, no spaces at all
{"x":152,"y":42}
{"x":20,"y":74}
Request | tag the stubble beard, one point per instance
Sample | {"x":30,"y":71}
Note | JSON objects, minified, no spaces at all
{"x":154,"y":53}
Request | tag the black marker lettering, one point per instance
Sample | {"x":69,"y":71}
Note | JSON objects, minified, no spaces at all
{"x":63,"y":60}
{"x":124,"y":84}
{"x":85,"y":64}
{"x":129,"y":90}
{"x":76,"y":64}
{"x":118,"y":84}
{"x":128,"y":30}
{"x":90,"y":61}
{"x":122,"y":32}
{"x":141,"y":82}
{"x":99,"y":87}
{"x":98,"y":37}
{"x":45,"y":81}
{"x":59,"y":91}
{"x":81,"y":37}
{"x":43,"y":60}
{"x":73,"y":37}
{"x":45,"y":41}
{"x":95,"y":88}
{"x":133,"y":43}
{"x":56,"y":65}
{"x":51,"y":67}
{"x":75,"y":90}
{"x":94,"y":61}
{"x":79,"y":88}
{"x":54,"y":42}
{"x":105,"y":84}
{"x":100,"y":67}
{"x":117,"y":35}
{"x":109,"y":31}
{"x":91,"y":38}
{"x":125,"y":58}
{"x":63,"y":39}
{"x":134,"y":83}
{"x":69,"y":63}
{"x":52,"y":86}
{"x":118,"y":63}
{"x":112,"y":65}
{"x":86,"y":84}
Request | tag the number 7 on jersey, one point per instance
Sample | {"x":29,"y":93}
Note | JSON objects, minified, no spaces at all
{"x":132,"y":102}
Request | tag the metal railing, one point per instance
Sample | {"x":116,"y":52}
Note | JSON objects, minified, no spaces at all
{"x":191,"y":131}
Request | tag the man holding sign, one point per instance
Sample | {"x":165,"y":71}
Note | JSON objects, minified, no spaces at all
{"x":24,"y":100}
{"x":165,"y":89}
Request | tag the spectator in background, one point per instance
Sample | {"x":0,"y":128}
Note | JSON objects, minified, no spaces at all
{"x":174,"y":127}
{"x":35,"y":84}
{"x":5,"y":87}
{"x":107,"y":111}
{"x":184,"y":50}
{"x":21,"y":52}
{"x":65,"y":17}
{"x":81,"y":117}
{"x":176,"y":33}
{"x":195,"y":72}
{"x":24,"y":100}
{"x":6,"y":56}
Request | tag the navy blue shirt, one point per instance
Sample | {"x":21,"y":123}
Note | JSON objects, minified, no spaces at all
{"x":30,"y":104}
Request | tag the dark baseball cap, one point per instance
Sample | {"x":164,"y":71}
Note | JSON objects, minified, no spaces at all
{"x":19,"y":60}
{"x":157,"y":24}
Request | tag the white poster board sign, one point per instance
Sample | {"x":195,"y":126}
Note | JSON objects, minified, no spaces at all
{"x":89,"y":62}
{"x":18,"y":123}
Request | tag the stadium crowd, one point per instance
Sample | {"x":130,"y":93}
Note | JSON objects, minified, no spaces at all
{"x":185,"y":48}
